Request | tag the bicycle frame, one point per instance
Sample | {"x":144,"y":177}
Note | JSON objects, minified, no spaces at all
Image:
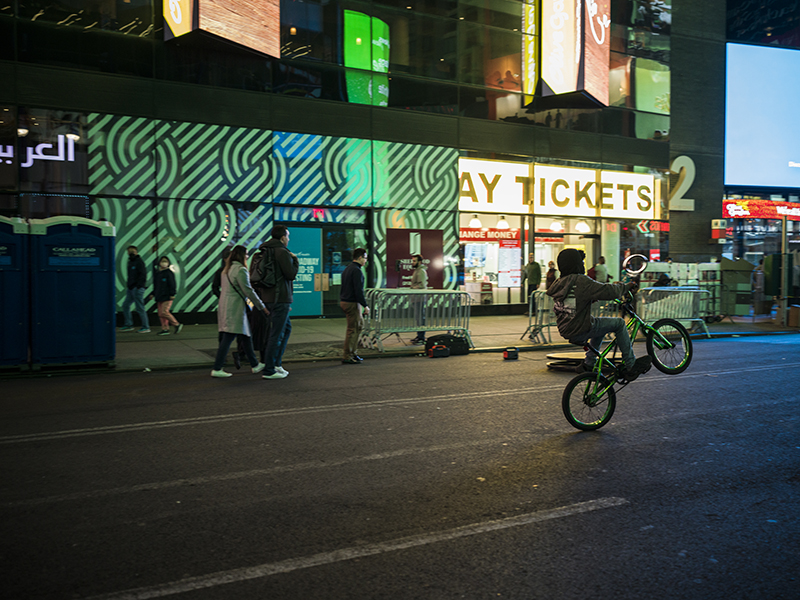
{"x":634,"y":325}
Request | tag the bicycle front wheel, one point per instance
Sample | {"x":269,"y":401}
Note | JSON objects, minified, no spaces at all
{"x":669,"y":345}
{"x":588,"y":401}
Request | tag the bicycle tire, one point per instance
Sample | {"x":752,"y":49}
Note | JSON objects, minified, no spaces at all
{"x":671,"y":360}
{"x":585,"y":410}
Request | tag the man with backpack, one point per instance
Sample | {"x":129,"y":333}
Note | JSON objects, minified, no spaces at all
{"x":272,"y":276}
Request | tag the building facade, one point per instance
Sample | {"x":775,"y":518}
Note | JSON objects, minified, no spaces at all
{"x":395,"y":126}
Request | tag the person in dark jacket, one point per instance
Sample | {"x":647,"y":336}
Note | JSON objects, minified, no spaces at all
{"x":278,"y":299}
{"x":164,"y":289}
{"x":573,"y":294}
{"x":354,"y":305}
{"x":137,"y":281}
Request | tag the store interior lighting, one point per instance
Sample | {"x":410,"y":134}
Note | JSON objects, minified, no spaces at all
{"x":582,"y":227}
{"x":503,"y":224}
{"x":475,"y":222}
{"x":556,"y":226}
{"x":72,"y":133}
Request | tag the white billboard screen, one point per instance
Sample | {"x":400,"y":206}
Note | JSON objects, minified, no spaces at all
{"x":762,"y":127}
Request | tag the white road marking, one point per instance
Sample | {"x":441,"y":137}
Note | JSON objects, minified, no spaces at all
{"x":538,"y":390}
{"x":326,"y":558}
{"x":305,"y":466}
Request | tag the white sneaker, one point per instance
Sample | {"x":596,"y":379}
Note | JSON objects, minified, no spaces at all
{"x":220,"y":373}
{"x":281,"y":370}
{"x":276,"y":375}
{"x":258,"y":368}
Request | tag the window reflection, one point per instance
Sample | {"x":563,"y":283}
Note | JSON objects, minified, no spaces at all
{"x":131,"y":17}
{"x":490,"y":57}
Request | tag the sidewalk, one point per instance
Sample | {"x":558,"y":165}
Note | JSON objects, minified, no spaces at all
{"x":322,"y":339}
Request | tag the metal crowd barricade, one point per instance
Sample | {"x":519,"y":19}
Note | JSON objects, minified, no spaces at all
{"x":396,"y":311}
{"x":681,"y":303}
{"x":540,"y":318}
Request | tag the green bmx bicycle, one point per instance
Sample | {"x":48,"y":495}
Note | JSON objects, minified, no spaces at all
{"x":589,"y":399}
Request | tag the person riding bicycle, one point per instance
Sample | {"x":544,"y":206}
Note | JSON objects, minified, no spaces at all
{"x":573,"y":293}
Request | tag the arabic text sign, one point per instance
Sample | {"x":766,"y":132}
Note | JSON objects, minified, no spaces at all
{"x":760,"y":209}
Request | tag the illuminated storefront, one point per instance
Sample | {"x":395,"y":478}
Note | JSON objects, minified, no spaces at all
{"x":510,"y":209}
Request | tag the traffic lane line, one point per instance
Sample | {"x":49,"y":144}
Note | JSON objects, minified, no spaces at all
{"x":327,"y":558}
{"x":537,"y":390}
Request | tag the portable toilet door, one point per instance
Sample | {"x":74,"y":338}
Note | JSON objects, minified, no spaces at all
{"x":14,"y":293}
{"x":72,"y":291}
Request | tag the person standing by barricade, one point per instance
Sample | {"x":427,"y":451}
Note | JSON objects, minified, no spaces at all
{"x":354,"y":305}
{"x":137,"y":281}
{"x":275,"y":282}
{"x":232,"y":311}
{"x":164,"y":289}
{"x":532,"y":275}
{"x":419,"y":281}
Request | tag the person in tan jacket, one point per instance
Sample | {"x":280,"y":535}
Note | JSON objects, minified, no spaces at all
{"x":419,"y":281}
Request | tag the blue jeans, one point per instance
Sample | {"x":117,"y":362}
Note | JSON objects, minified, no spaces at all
{"x":280,"y":328}
{"x":134,"y":296}
{"x":226,"y":339}
{"x":599,"y":329}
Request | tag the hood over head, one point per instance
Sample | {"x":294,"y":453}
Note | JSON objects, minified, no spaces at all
{"x":570,"y":262}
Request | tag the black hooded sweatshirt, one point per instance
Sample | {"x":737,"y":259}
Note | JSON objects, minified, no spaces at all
{"x":573,"y":293}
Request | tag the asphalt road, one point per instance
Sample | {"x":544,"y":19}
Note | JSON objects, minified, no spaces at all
{"x":406,"y":478}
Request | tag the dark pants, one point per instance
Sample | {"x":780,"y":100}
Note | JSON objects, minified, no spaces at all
{"x":280,"y":328}
{"x":226,"y":339}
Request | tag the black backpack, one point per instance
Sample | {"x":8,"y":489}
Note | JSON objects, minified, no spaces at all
{"x":263,"y":270}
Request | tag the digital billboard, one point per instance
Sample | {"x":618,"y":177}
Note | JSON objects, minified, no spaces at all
{"x":366,"y":47}
{"x":576,"y":46}
{"x":252,"y":24}
{"x":762,"y":131}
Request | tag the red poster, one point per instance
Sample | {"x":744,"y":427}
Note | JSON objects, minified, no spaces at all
{"x":402,"y":243}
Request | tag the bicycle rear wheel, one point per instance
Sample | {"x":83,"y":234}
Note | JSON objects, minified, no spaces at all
{"x":588,"y":402}
{"x":670,"y":347}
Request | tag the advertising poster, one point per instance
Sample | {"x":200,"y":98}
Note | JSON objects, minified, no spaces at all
{"x":366,"y":47}
{"x":306,"y":243}
{"x":509,"y":263}
{"x":255,"y":25}
{"x":401,"y":244}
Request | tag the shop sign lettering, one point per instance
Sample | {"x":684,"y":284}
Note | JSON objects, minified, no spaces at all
{"x":500,"y":187}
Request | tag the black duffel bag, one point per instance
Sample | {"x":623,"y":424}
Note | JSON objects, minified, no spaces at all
{"x":456,"y":344}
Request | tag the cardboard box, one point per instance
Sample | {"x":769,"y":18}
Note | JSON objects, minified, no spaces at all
{"x":794,"y":316}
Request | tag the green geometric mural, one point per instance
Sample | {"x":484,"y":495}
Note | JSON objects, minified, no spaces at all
{"x":213,"y":162}
{"x":189,"y":190}
{"x":121,"y":155}
{"x":135,"y":224}
{"x":320,"y":170}
{"x":446,"y":221}
{"x":415,"y":176}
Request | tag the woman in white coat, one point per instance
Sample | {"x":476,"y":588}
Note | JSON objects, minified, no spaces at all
{"x":232,"y":315}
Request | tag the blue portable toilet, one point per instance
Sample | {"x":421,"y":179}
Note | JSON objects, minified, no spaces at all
{"x":14,"y":293}
{"x":72,"y":291}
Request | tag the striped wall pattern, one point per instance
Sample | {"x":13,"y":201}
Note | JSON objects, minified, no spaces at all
{"x":121,"y":155}
{"x":320,"y":170}
{"x":213,"y":162}
{"x":135,"y":223}
{"x":187,"y":190}
{"x":446,"y":221}
{"x":415,"y":176}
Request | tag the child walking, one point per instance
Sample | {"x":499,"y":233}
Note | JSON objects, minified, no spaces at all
{"x":164,"y":289}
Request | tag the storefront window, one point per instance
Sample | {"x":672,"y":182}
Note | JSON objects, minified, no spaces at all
{"x":490,"y":57}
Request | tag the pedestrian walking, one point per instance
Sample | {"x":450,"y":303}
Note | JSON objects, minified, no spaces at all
{"x":354,"y":305}
{"x":277,"y":269}
{"x":419,"y":281}
{"x":134,"y":294}
{"x":232,"y":312}
{"x":164,"y":289}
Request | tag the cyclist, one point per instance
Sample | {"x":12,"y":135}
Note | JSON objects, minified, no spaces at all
{"x":573,"y":293}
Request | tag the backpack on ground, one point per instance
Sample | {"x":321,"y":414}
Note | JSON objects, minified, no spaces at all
{"x":263,"y":270}
{"x":455,"y":343}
